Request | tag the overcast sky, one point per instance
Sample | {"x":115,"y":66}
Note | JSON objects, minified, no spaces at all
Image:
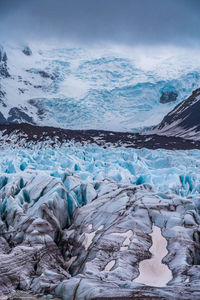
{"x":132,"y":22}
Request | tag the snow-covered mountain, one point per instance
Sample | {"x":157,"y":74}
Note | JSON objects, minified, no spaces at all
{"x":183,"y":121}
{"x":77,"y":88}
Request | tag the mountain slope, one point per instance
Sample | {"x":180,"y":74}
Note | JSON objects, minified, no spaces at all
{"x":102,"y":89}
{"x":184,"y":120}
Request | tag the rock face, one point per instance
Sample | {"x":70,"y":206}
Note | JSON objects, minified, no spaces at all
{"x":2,"y":119}
{"x":43,"y":74}
{"x":183,"y":121}
{"x":23,"y":134}
{"x":2,"y":97}
{"x":16,"y":115}
{"x":168,"y":97}
{"x":3,"y":64}
{"x":27,"y":51}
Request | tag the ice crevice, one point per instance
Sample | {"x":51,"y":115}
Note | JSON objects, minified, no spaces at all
{"x":78,"y":232}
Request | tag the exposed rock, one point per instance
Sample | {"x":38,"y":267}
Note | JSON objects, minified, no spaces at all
{"x":43,"y":74}
{"x":3,"y":64}
{"x":27,"y":51}
{"x":2,"y":119}
{"x":2,"y":97}
{"x":21,"y":91}
{"x":3,"y":55}
{"x":168,"y":97}
{"x":38,"y":104}
{"x":16,"y":115}
{"x":54,"y":136}
{"x":183,"y":121}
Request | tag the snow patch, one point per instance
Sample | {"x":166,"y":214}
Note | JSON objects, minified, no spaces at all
{"x":109,"y":266}
{"x":152,"y":271}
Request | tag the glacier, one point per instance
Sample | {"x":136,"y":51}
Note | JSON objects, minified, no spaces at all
{"x":76,"y":221}
{"x":81,"y":212}
{"x":118,"y":89}
{"x":175,"y":171}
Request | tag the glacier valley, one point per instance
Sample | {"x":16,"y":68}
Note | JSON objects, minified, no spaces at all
{"x":92,"y":194}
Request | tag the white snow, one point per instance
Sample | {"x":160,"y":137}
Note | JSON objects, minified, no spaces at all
{"x":109,"y":266}
{"x":90,"y":236}
{"x":152,"y":271}
{"x":70,"y":262}
{"x":105,"y":88}
{"x":127,"y":240}
{"x":88,"y":239}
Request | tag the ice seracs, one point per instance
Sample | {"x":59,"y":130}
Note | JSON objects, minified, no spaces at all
{"x":76,"y":221}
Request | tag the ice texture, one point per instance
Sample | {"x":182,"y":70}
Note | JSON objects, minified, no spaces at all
{"x":107,"y":270}
{"x":106,"y":88}
{"x":77,"y":221}
{"x":166,"y":170}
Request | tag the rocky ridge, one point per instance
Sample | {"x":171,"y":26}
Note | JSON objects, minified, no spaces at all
{"x":27,"y":135}
{"x":183,"y":120}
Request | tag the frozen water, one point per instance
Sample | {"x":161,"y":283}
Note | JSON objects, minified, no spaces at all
{"x":174,"y":171}
{"x":111,"y":88}
{"x":109,"y":266}
{"x":78,"y":219}
{"x":152,"y":271}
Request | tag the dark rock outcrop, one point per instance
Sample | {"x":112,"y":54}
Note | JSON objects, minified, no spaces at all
{"x":16,"y":115}
{"x":2,"y":97}
{"x":2,"y":119}
{"x":168,"y":97}
{"x":36,"y":103}
{"x":183,"y":121}
{"x":27,"y":51}
{"x":42,"y":73}
{"x":28,"y":133}
{"x":3,"y":64}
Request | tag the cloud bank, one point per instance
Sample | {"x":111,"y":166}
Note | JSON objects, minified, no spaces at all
{"x":134,"y":22}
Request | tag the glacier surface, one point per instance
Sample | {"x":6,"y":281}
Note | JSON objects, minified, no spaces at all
{"x":106,"y":88}
{"x":166,"y":170}
{"x":76,"y":221}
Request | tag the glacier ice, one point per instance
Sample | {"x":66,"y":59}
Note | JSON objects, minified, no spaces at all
{"x":117,"y":89}
{"x":76,"y":221}
{"x":175,"y":171}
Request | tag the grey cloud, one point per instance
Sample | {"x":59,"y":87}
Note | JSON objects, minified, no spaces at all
{"x":126,"y":21}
